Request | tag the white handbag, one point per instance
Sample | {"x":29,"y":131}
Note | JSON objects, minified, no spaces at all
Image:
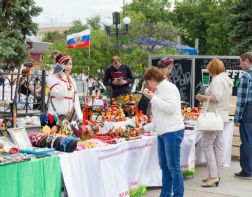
{"x":210,"y":121}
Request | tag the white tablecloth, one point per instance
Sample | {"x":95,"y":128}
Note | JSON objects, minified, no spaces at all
{"x":111,"y":171}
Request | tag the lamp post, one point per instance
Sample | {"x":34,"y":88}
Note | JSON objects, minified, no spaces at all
{"x":116,"y":31}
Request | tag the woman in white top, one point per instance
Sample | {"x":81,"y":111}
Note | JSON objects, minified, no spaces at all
{"x":168,"y":123}
{"x":219,"y":93}
{"x":64,"y":100}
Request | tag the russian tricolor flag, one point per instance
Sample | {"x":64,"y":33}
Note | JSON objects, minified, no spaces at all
{"x":79,"y":40}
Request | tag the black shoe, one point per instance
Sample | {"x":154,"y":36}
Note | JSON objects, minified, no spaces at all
{"x":242,"y":176}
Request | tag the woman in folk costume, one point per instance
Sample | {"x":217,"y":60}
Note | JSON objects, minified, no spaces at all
{"x":64,"y":99}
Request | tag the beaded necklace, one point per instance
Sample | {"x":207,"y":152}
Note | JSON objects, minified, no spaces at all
{"x":68,"y":82}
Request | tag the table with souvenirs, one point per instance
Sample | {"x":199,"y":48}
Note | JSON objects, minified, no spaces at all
{"x":105,"y":155}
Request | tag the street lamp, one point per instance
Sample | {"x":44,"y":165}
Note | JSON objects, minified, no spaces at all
{"x":116,"y":31}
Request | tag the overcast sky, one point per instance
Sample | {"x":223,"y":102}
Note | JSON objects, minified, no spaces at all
{"x":65,"y":11}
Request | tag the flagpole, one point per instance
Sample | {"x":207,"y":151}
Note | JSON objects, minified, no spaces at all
{"x":89,"y":56}
{"x":89,"y":46}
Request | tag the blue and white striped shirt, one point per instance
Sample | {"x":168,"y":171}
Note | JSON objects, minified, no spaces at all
{"x":244,"y":94}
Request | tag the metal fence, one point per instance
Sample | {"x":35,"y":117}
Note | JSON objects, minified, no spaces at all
{"x":26,"y":93}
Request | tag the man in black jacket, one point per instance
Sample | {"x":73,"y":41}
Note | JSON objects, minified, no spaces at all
{"x":119,"y":77}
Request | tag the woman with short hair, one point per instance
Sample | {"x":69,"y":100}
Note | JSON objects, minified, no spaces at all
{"x":167,"y":122}
{"x":218,"y":93}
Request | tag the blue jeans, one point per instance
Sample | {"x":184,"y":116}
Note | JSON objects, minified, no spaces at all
{"x":169,"y":161}
{"x":246,"y":140}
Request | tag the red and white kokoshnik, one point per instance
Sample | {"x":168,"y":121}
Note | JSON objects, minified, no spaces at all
{"x":64,"y":58}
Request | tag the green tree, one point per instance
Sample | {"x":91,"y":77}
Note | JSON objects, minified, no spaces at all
{"x":205,"y":20}
{"x":134,"y":51}
{"x":77,"y":26}
{"x":16,"y":23}
{"x":218,"y":41}
{"x":151,"y":18}
{"x":94,"y":22}
{"x":53,"y":36}
{"x":156,"y":26}
{"x":240,"y":27}
{"x":153,"y":10}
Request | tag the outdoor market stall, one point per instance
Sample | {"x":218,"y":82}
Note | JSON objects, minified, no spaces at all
{"x":109,"y":152}
{"x":34,"y":178}
{"x":123,"y":169}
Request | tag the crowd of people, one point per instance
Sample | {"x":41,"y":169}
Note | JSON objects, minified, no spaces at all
{"x":162,"y":99}
{"x":165,"y":104}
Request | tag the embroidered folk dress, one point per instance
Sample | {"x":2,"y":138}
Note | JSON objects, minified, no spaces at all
{"x":62,"y":98}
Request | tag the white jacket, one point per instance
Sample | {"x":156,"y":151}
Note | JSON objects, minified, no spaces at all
{"x":221,"y":87}
{"x":166,"y":109}
{"x":63,"y":98}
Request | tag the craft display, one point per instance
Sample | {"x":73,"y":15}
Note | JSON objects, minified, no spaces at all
{"x":141,"y":119}
{"x":48,"y":119}
{"x":8,"y":158}
{"x":6,"y":144}
{"x":20,"y":137}
{"x":55,"y":141}
{"x":87,"y":144}
{"x":118,"y":122}
{"x":191,"y":113}
{"x":37,"y":151}
{"x":28,"y":121}
{"x":114,"y":114}
{"x":11,"y":152}
{"x":112,"y":122}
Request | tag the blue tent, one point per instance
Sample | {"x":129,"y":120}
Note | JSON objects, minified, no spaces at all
{"x":182,"y":49}
{"x":186,"y":50}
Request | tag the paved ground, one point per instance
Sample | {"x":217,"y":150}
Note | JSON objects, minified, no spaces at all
{"x":228,"y":187}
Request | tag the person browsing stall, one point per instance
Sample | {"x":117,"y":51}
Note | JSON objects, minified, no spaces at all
{"x":119,"y":77}
{"x":243,"y":116}
{"x":167,"y":121}
{"x":218,"y":93}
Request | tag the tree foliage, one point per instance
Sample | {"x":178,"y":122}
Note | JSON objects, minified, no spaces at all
{"x":53,"y":37}
{"x":151,"y":18}
{"x":205,"y":20}
{"x":16,"y":23}
{"x":77,"y":26}
{"x":240,"y":26}
{"x":153,"y":10}
{"x":94,"y":22}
